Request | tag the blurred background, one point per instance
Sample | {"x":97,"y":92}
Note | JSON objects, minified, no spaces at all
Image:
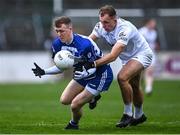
{"x":26,"y":32}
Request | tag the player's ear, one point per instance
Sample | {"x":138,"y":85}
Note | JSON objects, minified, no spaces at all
{"x":70,"y":28}
{"x":114,"y":18}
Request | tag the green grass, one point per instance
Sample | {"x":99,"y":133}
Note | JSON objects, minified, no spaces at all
{"x":35,"y":108}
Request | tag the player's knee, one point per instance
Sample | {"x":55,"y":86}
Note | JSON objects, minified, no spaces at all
{"x":121,"y":78}
{"x":64,"y":100}
{"x":75,"y":105}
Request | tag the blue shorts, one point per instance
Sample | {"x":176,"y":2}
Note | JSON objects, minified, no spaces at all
{"x":100,"y":82}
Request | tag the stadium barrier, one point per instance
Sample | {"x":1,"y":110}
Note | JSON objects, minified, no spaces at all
{"x":16,"y":66}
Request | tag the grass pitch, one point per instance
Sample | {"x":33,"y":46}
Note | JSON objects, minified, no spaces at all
{"x":35,"y":108}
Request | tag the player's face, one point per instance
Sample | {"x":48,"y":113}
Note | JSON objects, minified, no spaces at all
{"x":108,"y":22}
{"x":64,"y":32}
{"x":152,"y":24}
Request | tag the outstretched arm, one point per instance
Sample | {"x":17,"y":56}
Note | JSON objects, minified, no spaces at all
{"x":110,"y":57}
{"x":38,"y":71}
{"x":93,"y":37}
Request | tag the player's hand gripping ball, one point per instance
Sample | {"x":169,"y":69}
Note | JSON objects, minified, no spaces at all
{"x":64,"y":59}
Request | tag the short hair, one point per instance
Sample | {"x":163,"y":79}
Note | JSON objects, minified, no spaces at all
{"x":107,"y":9}
{"x":147,"y":20}
{"x":62,"y":20}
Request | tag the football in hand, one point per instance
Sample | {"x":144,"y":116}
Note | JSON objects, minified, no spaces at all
{"x":64,"y":59}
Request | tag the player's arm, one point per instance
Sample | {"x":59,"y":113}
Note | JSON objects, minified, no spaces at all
{"x":115,"y":52}
{"x":110,"y":57}
{"x":38,"y":71}
{"x":122,"y":39}
{"x":93,"y":37}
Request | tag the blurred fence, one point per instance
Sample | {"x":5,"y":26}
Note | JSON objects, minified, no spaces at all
{"x":26,"y":24}
{"x":16,"y":67}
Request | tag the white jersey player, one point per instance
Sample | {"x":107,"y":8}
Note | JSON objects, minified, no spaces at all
{"x":150,"y":34}
{"x":136,"y":55}
{"x":127,"y":34}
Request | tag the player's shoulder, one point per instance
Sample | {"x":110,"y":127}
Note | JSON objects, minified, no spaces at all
{"x":56,"y":41}
{"x":98,"y":26}
{"x":122,"y":24}
{"x":123,"y":28}
{"x":125,"y":24}
{"x":56,"y":44}
{"x":82,"y":39}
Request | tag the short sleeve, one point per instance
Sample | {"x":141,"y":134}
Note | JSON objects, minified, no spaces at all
{"x":56,"y":46}
{"x":142,"y":31}
{"x":124,"y":35}
{"x":53,"y":52}
{"x":97,"y":30}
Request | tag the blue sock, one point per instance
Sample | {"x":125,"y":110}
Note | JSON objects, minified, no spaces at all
{"x":73,"y":123}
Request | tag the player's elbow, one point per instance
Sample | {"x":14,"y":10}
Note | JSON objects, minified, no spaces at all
{"x":113,"y":57}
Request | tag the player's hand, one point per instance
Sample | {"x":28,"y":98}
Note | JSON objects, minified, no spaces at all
{"x":38,"y":71}
{"x":84,"y":73}
{"x":89,"y":65}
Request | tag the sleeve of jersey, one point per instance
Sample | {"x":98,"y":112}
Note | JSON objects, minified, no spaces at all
{"x":97,"y":30}
{"x":89,"y":53}
{"x":52,"y":70}
{"x":53,"y":52}
{"x":124,"y":36}
{"x":55,"y":47}
{"x":142,"y":31}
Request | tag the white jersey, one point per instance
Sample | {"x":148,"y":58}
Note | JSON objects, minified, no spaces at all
{"x":125,"y":33}
{"x":150,"y":35}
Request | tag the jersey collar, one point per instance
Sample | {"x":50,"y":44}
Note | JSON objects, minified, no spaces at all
{"x":71,"y":39}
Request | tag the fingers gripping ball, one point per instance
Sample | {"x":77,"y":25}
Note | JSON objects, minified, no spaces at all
{"x":64,"y":59}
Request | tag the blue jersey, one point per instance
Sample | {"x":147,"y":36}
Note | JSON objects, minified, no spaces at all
{"x":81,"y":46}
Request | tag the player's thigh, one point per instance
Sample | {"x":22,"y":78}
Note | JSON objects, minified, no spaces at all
{"x":70,"y":92}
{"x":135,"y":81}
{"x":130,"y":69}
{"x":81,"y":99}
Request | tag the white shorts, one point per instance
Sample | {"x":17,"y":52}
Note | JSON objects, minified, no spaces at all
{"x":153,"y":60}
{"x":145,"y":58}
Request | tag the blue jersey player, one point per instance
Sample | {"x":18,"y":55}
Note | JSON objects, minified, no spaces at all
{"x":87,"y":83}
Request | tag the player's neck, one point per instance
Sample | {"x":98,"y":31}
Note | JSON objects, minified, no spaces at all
{"x":70,"y":39}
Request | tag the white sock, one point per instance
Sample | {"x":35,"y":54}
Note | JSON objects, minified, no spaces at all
{"x":148,"y":89}
{"x":128,"y":109}
{"x":138,"y":112}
